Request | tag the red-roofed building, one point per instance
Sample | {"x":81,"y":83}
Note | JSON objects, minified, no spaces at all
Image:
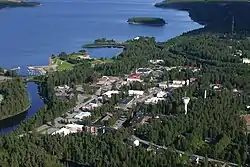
{"x":134,"y":77}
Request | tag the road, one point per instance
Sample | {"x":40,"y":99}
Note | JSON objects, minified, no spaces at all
{"x":181,"y":152}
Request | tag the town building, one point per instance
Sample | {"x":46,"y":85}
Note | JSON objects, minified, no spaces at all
{"x":158,"y":61}
{"x":161,"y":94}
{"x":170,"y":68}
{"x":62,"y":131}
{"x":118,"y":124}
{"x":107,"y":80}
{"x":173,"y":84}
{"x":143,"y":70}
{"x":246,"y":60}
{"x":107,"y":117}
{"x":110,"y":93}
{"x":82,"y":115}
{"x":135,"y":93}
{"x":154,"y":100}
{"x":134,"y":77}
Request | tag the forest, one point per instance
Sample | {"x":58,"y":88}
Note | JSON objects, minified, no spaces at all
{"x":15,"y":98}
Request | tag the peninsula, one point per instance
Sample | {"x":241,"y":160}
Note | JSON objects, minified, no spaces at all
{"x":16,"y":3}
{"x":152,"y":21}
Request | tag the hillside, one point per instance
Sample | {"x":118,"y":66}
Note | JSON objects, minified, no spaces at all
{"x":218,"y":15}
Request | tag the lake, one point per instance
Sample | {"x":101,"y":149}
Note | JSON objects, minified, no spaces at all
{"x":30,"y":35}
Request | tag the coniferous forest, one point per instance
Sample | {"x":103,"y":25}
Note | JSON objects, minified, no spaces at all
{"x":15,"y":97}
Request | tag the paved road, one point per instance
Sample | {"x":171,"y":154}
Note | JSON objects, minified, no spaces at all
{"x":181,"y":152}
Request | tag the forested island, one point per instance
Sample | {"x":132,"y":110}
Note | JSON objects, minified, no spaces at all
{"x":13,"y":4}
{"x":152,"y":21}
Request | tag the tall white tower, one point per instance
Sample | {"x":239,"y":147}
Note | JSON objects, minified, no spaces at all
{"x":186,"y":101}
{"x":205,"y":94}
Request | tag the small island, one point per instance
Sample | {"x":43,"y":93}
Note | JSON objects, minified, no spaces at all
{"x":17,"y":3}
{"x":152,"y":21}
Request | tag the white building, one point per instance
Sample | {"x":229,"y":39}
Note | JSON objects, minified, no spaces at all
{"x":135,"y":92}
{"x":246,"y":60}
{"x":136,"y":38}
{"x":81,"y":115}
{"x":173,"y":84}
{"x":154,"y":100}
{"x":63,"y":131}
{"x":136,"y":142}
{"x":170,"y":68}
{"x":158,"y":61}
{"x":161,"y":94}
{"x":74,"y":127}
{"x":111,"y":92}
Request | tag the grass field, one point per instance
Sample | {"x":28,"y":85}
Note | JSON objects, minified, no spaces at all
{"x":61,"y":65}
{"x":100,"y":61}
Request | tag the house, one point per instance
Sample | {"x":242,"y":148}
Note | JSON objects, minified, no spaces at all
{"x":90,"y":129}
{"x":216,"y":86}
{"x":136,"y":38}
{"x":173,"y":84}
{"x":107,"y":117}
{"x":110,"y":93}
{"x":143,"y":70}
{"x":161,"y":94}
{"x":170,"y":68}
{"x":158,"y":61}
{"x":107,"y":80}
{"x":135,"y":92}
{"x":246,"y":60}
{"x":134,"y":77}
{"x":154,"y":100}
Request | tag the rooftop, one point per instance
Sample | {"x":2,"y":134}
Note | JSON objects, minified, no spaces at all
{"x":134,"y":76}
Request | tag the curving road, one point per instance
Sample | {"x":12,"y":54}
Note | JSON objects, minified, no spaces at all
{"x":182,"y":152}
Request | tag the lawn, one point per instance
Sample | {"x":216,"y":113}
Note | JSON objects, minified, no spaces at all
{"x":100,"y":61}
{"x":63,"y":65}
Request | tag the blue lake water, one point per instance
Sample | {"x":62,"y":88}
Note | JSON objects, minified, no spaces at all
{"x":30,"y":35}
